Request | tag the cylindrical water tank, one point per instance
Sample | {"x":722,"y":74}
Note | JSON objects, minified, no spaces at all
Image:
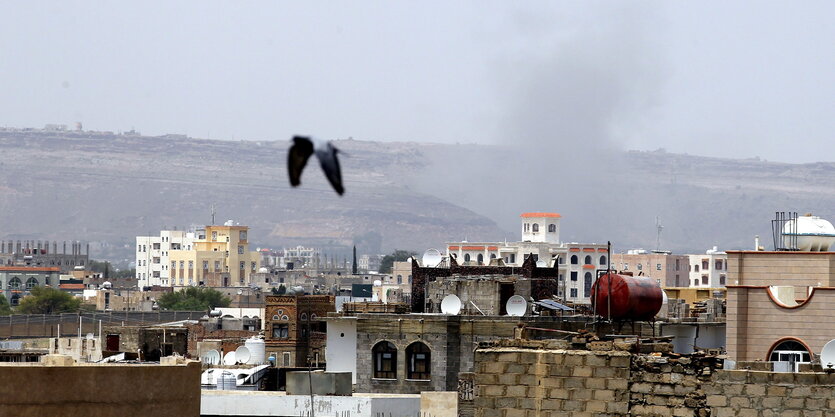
{"x":257,"y":350}
{"x":809,"y":233}
{"x":633,"y":298}
{"x":226,"y":381}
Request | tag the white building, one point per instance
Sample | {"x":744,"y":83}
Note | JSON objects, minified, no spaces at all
{"x":709,"y":270}
{"x":301,"y":257}
{"x":152,"y":255}
{"x":579,"y":263}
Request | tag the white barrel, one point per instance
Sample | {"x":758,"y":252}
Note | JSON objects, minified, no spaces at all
{"x":226,"y":381}
{"x":257,"y":350}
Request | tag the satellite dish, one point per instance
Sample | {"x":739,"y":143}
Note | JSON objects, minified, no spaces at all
{"x":664,"y":298}
{"x":541,"y":264}
{"x":211,"y":357}
{"x":828,"y":355}
{"x":229,"y":358}
{"x":242,"y":354}
{"x":431,"y":258}
{"x":451,"y":304}
{"x":516,"y":306}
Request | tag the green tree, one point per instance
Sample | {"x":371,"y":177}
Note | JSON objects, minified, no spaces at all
{"x":193,"y":299}
{"x":5,"y":308}
{"x":397,"y":256}
{"x":44,"y":300}
{"x":281,"y":290}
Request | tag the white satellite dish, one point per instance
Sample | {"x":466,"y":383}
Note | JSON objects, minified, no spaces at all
{"x":451,"y":304}
{"x":211,"y":357}
{"x":516,"y":306}
{"x":828,"y":355}
{"x":242,"y":354}
{"x":431,"y":258}
{"x":541,"y":264}
{"x":664,"y":298}
{"x":229,"y":358}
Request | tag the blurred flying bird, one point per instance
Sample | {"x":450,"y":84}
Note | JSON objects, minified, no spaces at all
{"x":301,"y":150}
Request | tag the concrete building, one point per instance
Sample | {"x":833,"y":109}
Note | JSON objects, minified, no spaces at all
{"x":44,"y":254}
{"x":17,"y":281}
{"x":709,"y":270}
{"x":780,"y":305}
{"x":578,"y":263}
{"x":152,"y":255}
{"x":369,"y":263}
{"x":665,"y":268}
{"x":295,"y":328}
{"x":300,"y":257}
{"x":221,"y":258}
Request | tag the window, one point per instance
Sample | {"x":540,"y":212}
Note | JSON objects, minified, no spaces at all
{"x":587,"y":260}
{"x":657,"y":267}
{"x":704,"y":279}
{"x":217,"y":266}
{"x":252,"y":266}
{"x":480,"y":258}
{"x":240,"y":249}
{"x":182,"y":264}
{"x":626,"y":266}
{"x":640,"y":267}
{"x":31,"y":283}
{"x":719,"y":264}
{"x":418,"y":361}
{"x":573,"y":293}
{"x":242,"y":235}
{"x":526,"y":227}
{"x":243,"y":265}
{"x":574,"y":275}
{"x":385,"y":360}
{"x":677,"y":264}
{"x":587,"y":285}
{"x":722,"y":279}
{"x":281,"y":331}
{"x":205,"y":264}
{"x":574,"y":260}
{"x":466,"y":257}
{"x":552,"y":228}
{"x":603,"y":260}
{"x":513,"y":258}
{"x":14,"y":283}
{"x":399,"y":279}
{"x":535,"y":228}
{"x":792,"y":351}
{"x":695,"y":267}
{"x":190,"y":264}
{"x":214,"y":236}
{"x":695,"y":282}
{"x":705,"y":264}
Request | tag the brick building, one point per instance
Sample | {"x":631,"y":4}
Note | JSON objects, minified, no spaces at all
{"x":295,"y":328}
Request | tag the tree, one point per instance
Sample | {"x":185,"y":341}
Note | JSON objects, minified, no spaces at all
{"x":193,"y":299}
{"x":44,"y":300}
{"x":397,"y":256}
{"x":5,"y":308}
{"x":281,"y":290}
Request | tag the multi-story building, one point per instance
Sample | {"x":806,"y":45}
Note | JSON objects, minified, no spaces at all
{"x":220,"y":258}
{"x":17,"y":281}
{"x":666,"y":269}
{"x":300,"y":257}
{"x":295,"y":328}
{"x":44,"y":254}
{"x":369,"y":263}
{"x":709,"y":270}
{"x":152,"y":255}
{"x":578,"y":263}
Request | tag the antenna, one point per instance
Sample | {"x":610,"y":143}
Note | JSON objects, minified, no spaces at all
{"x":213,"y":214}
{"x":658,"y":229}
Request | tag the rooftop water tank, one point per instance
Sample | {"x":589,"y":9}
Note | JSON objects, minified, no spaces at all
{"x":257,"y":350}
{"x":813,"y":234}
{"x":226,"y":381}
{"x":633,"y":298}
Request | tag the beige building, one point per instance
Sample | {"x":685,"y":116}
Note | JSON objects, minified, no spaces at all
{"x":780,"y":305}
{"x":666,"y":269}
{"x":221,"y":259}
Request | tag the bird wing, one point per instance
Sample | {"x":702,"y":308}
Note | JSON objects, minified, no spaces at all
{"x":330,"y":164}
{"x":297,"y":158}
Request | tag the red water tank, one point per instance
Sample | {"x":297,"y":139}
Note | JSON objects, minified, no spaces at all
{"x":633,"y":298}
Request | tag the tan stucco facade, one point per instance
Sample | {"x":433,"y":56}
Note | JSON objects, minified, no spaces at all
{"x":222,"y":259}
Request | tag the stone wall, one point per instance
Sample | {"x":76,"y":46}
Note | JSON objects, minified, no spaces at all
{"x":766,"y":394}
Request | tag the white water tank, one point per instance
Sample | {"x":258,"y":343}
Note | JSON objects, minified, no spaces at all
{"x":257,"y":351}
{"x":813,"y":234}
{"x":226,"y":381}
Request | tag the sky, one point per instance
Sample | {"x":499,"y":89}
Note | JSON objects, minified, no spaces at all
{"x":717,"y":78}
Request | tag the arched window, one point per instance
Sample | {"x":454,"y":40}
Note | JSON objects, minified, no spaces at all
{"x":385,"y":360}
{"x":418,"y":361}
{"x":588,"y":260}
{"x":31,"y":283}
{"x":480,"y":258}
{"x":552,"y":228}
{"x":535,"y":228}
{"x":399,"y":279}
{"x":14,"y":283}
{"x":603,"y":260}
{"x":574,"y":260}
{"x":492,"y":256}
{"x":790,"y":350}
{"x":587,"y":285}
{"x":466,"y":257}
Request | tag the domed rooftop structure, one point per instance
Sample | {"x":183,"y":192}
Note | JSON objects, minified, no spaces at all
{"x":813,"y":233}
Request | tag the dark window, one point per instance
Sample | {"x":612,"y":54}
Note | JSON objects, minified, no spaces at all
{"x":603,"y":260}
{"x":704,"y":279}
{"x":721,"y":280}
{"x":480,"y":258}
{"x":587,"y":285}
{"x":574,"y":293}
{"x":418,"y":361}
{"x":281,"y":331}
{"x":574,"y":275}
{"x":385,"y":360}
{"x":574,"y":260}
{"x":719,"y":265}
{"x":588,"y":260}
{"x":552,"y":228}
{"x":535,"y":228}
{"x":466,"y":257}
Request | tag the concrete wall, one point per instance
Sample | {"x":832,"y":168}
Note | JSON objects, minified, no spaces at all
{"x":341,"y":352}
{"x":100,"y":390}
{"x":265,"y":403}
